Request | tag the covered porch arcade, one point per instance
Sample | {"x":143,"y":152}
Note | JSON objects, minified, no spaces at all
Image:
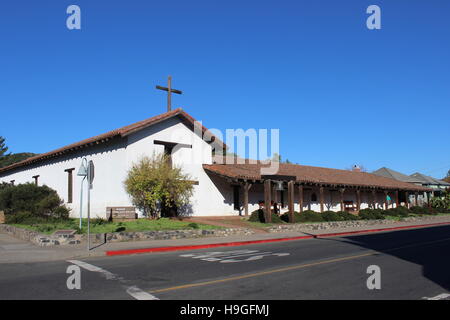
{"x":299,"y":188}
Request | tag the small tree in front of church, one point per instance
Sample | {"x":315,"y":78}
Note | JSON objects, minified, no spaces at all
{"x":155,"y":186}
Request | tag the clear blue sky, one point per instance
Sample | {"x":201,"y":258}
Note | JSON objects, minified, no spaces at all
{"x":339,"y":93}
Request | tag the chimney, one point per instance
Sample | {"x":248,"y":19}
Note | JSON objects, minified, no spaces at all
{"x":356,"y":168}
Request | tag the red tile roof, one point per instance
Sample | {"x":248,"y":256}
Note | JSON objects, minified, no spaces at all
{"x":121,"y":132}
{"x":314,"y":175}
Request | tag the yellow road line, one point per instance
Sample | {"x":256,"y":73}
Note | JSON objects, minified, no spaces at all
{"x":257,"y":274}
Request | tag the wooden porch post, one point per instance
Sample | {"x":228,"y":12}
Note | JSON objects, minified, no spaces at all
{"x":291,"y":201}
{"x":386,"y":204}
{"x":407,"y":199}
{"x":416,"y":198}
{"x":396,"y":199}
{"x":247,"y":187}
{"x":374,"y":199}
{"x":321,"y":199}
{"x":275,"y":196}
{"x":341,"y":191}
{"x":300,"y":197}
{"x":267,"y":201}
{"x":358,"y":199}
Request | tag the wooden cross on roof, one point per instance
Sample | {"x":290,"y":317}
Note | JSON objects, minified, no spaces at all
{"x":169,"y":92}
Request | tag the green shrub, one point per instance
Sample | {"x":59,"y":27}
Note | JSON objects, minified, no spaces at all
{"x":22,"y":217}
{"x":120,"y":229}
{"x":419,"y":210}
{"x":441,"y":203}
{"x":285,"y":217}
{"x":371,"y":214}
{"x":398,"y":212}
{"x":38,"y":200}
{"x":61,"y":212}
{"x":98,"y":221}
{"x":310,"y":216}
{"x":258,"y":216}
{"x":331,"y":216}
{"x":153,"y":182}
{"x":193,"y":225}
{"x":345,"y":216}
{"x":4,"y":185}
{"x":48,"y":204}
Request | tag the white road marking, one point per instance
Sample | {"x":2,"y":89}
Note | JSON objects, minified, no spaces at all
{"x":90,"y":267}
{"x":138,"y":294}
{"x":217,"y":254}
{"x":133,"y":291}
{"x":441,"y":296}
{"x":230,"y":256}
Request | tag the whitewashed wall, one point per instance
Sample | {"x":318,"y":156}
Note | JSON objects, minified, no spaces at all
{"x":113,"y":160}
{"x":212,"y":196}
{"x":109,"y":162}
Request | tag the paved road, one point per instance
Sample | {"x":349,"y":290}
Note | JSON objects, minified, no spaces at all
{"x":414,"y":264}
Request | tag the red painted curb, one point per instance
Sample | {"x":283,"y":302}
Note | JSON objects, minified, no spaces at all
{"x":201,"y":246}
{"x":241,"y":243}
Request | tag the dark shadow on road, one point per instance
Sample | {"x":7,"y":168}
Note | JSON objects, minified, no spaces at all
{"x":427,"y":247}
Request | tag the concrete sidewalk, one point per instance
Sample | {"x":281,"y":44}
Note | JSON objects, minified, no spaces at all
{"x":13,"y":250}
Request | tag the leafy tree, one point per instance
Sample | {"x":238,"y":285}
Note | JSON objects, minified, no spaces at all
{"x":3,"y":147}
{"x":14,"y":158}
{"x":8,"y":159}
{"x":36,"y":200}
{"x":443,"y":202}
{"x":154,"y":185}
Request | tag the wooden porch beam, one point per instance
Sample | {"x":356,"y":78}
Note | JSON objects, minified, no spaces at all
{"x":267,"y":201}
{"x":385,"y":200}
{"x":374,"y":198}
{"x":291,"y":201}
{"x":321,"y":198}
{"x":397,"y":202}
{"x":247,"y":187}
{"x":341,"y":191}
{"x":407,"y":199}
{"x":300,"y":197}
{"x":358,"y":199}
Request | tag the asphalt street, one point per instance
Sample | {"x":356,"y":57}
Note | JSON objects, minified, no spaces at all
{"x":413,"y":264}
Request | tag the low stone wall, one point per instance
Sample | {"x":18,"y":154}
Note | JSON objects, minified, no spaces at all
{"x":343,"y":224}
{"x":51,"y":240}
{"x":38,"y":238}
{"x":169,"y":234}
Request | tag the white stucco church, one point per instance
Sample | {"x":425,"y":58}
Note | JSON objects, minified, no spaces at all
{"x":219,"y":189}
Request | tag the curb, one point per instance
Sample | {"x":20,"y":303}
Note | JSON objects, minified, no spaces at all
{"x":242,"y":243}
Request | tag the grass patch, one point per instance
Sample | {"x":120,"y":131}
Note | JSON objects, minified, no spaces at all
{"x":102,"y":226}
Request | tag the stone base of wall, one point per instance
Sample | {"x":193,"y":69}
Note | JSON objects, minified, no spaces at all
{"x":342,"y":224}
{"x":38,"y":238}
{"x":168,"y":235}
{"x":51,"y":240}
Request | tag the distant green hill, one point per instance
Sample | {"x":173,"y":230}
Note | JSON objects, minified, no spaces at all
{"x":14,"y":158}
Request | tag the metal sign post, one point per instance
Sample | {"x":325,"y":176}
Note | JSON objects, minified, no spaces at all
{"x":87,"y":172}
{"x":90,"y":178}
{"x":82,"y":172}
